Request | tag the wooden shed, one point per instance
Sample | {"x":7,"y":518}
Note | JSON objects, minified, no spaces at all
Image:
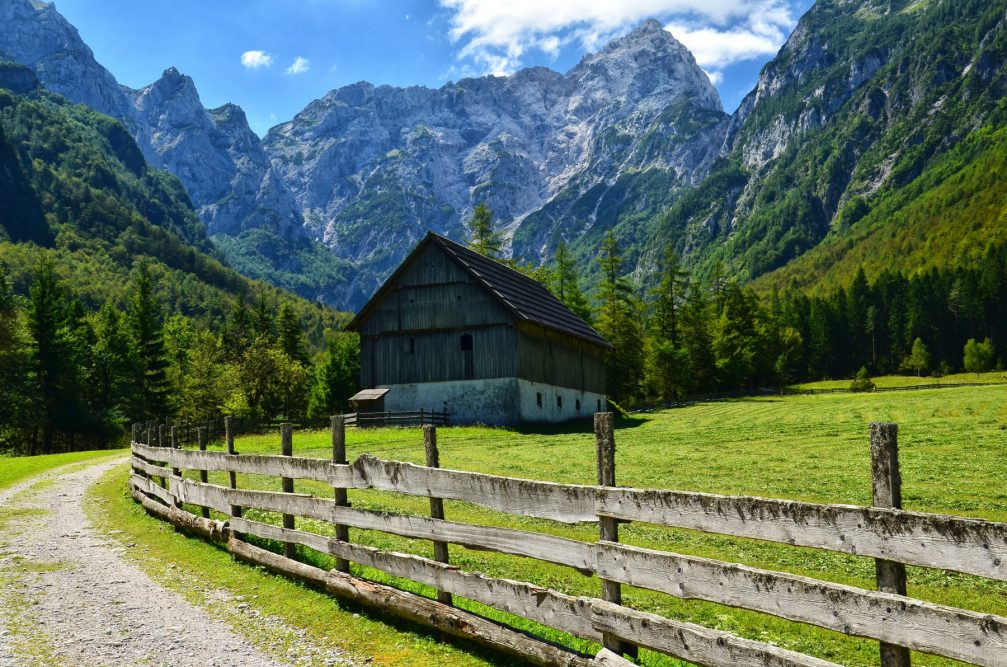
{"x":452,"y":329}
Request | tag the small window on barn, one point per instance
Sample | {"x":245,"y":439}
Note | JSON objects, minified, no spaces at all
{"x":599,"y":405}
{"x":577,"y":405}
{"x":466,"y":342}
{"x":559,"y":401}
{"x":538,"y":398}
{"x":412,"y":346}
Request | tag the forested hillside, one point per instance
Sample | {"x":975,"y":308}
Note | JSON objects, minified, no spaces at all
{"x":874,"y":139}
{"x":115,"y":305}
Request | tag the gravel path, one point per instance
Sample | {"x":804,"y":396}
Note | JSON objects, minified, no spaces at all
{"x":86,"y":605}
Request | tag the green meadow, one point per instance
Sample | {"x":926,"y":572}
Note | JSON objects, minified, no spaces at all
{"x":811,"y":448}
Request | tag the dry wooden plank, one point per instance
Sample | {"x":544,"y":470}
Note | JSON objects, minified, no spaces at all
{"x":152,"y":489}
{"x":953,"y":633}
{"x":579,"y":555}
{"x":416,"y":609}
{"x":567,"y":503}
{"x":550,"y":608}
{"x":318,"y":470}
{"x":268,"y":531}
{"x":972,"y":546}
{"x":606,"y":658}
{"x":702,"y":646}
{"x":149,"y":468}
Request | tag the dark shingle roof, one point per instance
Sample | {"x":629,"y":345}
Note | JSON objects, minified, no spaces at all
{"x":526,"y":298}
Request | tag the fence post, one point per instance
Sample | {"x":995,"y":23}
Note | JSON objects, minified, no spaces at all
{"x":136,"y":433}
{"x":339,"y":456}
{"x":887,"y":492}
{"x":287,"y":449}
{"x":175,"y":471}
{"x":232,"y":477}
{"x":204,"y":477}
{"x":436,"y":504}
{"x":611,"y":591}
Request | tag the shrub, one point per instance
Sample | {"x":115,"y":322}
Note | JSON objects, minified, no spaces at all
{"x":862,"y":382}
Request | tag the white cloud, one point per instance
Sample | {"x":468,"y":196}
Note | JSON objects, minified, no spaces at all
{"x":256,"y":59}
{"x":758,"y":35}
{"x":300,"y":66}
{"x":496,"y":35}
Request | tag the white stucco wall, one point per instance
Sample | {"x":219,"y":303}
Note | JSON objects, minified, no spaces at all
{"x":492,"y":402}
{"x":497,"y":402}
{"x":550,"y":411}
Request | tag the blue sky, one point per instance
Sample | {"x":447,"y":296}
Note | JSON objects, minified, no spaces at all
{"x":274,"y":56}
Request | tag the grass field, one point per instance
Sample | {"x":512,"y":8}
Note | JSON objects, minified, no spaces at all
{"x":886,"y":381}
{"x":14,"y":469}
{"x":802,"y":447}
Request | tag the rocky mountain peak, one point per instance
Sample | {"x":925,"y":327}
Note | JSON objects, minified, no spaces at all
{"x":647,"y":61}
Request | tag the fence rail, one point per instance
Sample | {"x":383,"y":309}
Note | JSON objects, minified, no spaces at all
{"x":416,"y":418}
{"x":888,"y":534}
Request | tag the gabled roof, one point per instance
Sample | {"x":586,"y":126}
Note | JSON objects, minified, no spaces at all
{"x":527,"y":299}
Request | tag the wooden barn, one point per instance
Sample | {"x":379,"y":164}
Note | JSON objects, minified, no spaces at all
{"x":452,"y":329}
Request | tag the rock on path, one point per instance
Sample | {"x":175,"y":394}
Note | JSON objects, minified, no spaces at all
{"x":91,"y":606}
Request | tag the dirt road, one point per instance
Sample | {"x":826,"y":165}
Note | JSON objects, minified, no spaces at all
{"x":68,"y":597}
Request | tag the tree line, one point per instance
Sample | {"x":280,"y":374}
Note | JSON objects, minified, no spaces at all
{"x":71,"y":378}
{"x":677,"y":335}
{"x":688,"y":336}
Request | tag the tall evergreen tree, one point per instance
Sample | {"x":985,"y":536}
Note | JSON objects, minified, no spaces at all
{"x":54,"y":363}
{"x":566,"y":286}
{"x":291,"y":335}
{"x":619,"y":321}
{"x":485,"y":240}
{"x":109,"y":372}
{"x":152,"y":395}
{"x":15,"y":356}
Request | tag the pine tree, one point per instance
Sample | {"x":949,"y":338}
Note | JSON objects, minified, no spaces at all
{"x":264,"y":319}
{"x":566,"y":286}
{"x":152,"y":395}
{"x":668,"y":295}
{"x":108,"y":376}
{"x":54,"y":371}
{"x":620,"y":323}
{"x":485,"y":240}
{"x":15,"y":356}
{"x":290,"y":334}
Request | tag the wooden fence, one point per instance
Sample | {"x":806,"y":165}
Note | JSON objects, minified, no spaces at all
{"x":416,"y":418}
{"x":889,"y":535}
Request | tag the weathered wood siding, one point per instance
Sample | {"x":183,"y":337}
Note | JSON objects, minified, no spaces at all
{"x":413,"y":334}
{"x":550,"y":357}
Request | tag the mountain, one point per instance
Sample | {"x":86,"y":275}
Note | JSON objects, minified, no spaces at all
{"x":875,"y":138}
{"x":77,"y":189}
{"x":214,"y":153}
{"x":373,"y":168}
